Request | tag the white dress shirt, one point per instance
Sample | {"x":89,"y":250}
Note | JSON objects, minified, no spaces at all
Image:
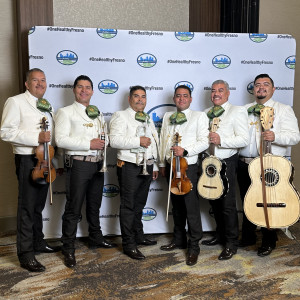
{"x":74,"y":130}
{"x":21,"y":123}
{"x":233,"y":130}
{"x":285,"y":128}
{"x":125,"y":132}
{"x":193,"y":133}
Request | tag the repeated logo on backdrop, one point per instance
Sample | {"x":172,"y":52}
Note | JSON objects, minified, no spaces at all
{"x":258,"y":37}
{"x":250,"y":87}
{"x":157,"y":113}
{"x":186,"y":83}
{"x":67,"y":57}
{"x":110,"y":190}
{"x":290,"y":62}
{"x":31,"y":30}
{"x":108,"y":86}
{"x":149,"y":214}
{"x":221,"y":61}
{"x":184,"y":36}
{"x":146,"y":60}
{"x":107,"y":33}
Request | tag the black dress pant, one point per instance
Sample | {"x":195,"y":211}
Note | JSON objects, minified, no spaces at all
{"x":31,"y":202}
{"x":225,"y":211}
{"x":83,"y":182}
{"x":134,"y":190}
{"x":248,"y":228}
{"x":186,"y":209}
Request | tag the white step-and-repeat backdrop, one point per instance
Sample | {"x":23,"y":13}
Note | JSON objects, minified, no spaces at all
{"x":159,"y":61}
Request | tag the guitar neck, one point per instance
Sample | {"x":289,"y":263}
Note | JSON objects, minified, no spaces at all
{"x":211,"y":149}
{"x":267,"y":147}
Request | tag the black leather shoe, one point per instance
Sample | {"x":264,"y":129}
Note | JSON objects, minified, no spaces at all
{"x":135,"y":254}
{"x":264,"y":250}
{"x":147,"y":242}
{"x":227,"y":253}
{"x":211,"y":242}
{"x":32,"y":265}
{"x":101,"y":244}
{"x":245,"y":243}
{"x":191,"y":259}
{"x":47,"y":249}
{"x":70,"y":260}
{"x":171,"y":246}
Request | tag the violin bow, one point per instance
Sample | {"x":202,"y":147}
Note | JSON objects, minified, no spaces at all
{"x":49,"y":167}
{"x":49,"y":172}
{"x":170,"y":182}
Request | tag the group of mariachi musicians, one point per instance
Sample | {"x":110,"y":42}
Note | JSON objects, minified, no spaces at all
{"x":201,"y":155}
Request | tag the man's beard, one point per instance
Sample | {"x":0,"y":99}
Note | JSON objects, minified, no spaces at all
{"x":260,"y":97}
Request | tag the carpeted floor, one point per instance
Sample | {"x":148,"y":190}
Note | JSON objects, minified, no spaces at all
{"x":109,"y":274}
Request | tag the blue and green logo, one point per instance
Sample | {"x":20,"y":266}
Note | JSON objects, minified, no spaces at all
{"x":184,"y":36}
{"x":250,"y":87}
{"x":107,"y":33}
{"x":67,"y":57}
{"x":221,"y":61}
{"x":146,"y":60}
{"x":31,"y":30}
{"x":258,"y":37}
{"x":186,"y":83}
{"x":149,"y":214}
{"x":110,"y":190}
{"x":108,"y":86}
{"x":290,"y":62}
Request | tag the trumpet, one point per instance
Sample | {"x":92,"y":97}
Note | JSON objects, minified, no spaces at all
{"x":144,"y":171}
{"x":142,"y":131}
{"x":103,"y":138}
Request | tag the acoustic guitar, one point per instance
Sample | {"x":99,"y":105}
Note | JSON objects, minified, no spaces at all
{"x":213,"y":183}
{"x":271,"y":200}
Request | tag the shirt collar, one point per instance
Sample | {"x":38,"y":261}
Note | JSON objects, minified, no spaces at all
{"x":269,"y":102}
{"x":81,"y":106}
{"x":224,"y":105}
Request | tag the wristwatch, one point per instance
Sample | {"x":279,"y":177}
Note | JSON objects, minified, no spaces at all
{"x":185,"y":153}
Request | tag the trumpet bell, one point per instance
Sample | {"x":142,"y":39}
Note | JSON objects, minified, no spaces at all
{"x":103,"y":170}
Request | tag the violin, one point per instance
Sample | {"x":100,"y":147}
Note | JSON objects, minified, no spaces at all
{"x":180,"y":184}
{"x":44,"y":172}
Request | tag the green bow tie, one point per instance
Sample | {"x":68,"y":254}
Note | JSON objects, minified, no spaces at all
{"x":255,"y":109}
{"x":142,"y":116}
{"x":178,"y":118}
{"x":92,"y":111}
{"x":215,"y":112}
{"x":43,"y":105}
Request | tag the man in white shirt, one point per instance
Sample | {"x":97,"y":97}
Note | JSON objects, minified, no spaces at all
{"x":21,"y":126}
{"x":133,"y":133}
{"x":283,"y":134}
{"x":78,"y":131}
{"x":192,"y":127}
{"x":231,"y":135}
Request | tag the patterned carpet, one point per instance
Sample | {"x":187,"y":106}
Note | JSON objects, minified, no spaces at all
{"x":109,"y":274}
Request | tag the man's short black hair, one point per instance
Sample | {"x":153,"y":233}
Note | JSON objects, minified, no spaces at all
{"x":183,"y":87}
{"x":135,"y":88}
{"x":264,"y":76}
{"x":83,"y":77}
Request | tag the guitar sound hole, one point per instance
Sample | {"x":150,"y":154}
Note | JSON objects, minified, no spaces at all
{"x":210,"y":170}
{"x":271,"y":177}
